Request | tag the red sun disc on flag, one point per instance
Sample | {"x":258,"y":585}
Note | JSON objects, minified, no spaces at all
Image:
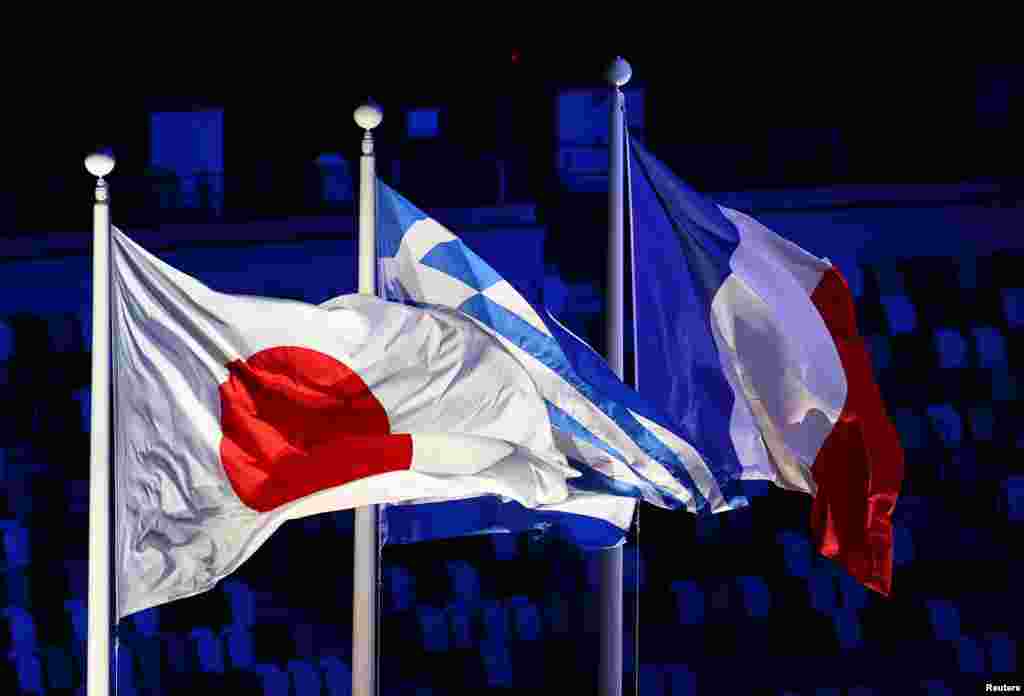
{"x":296,"y":421}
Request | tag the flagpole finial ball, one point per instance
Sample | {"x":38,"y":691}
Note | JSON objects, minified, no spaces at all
{"x":368,"y":116}
{"x":99,"y":164}
{"x":619,"y":72}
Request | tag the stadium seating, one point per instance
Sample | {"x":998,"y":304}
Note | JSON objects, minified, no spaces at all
{"x":503,"y":613}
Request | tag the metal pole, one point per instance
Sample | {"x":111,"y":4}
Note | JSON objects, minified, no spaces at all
{"x":610,"y":676}
{"x":367,"y":541}
{"x":98,"y":663}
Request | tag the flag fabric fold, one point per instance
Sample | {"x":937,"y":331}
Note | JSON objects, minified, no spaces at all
{"x":624,"y":446}
{"x":749,"y":343}
{"x":236,"y":413}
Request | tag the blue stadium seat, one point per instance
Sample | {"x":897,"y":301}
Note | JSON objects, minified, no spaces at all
{"x":936,"y":687}
{"x":460,"y":619}
{"x":22,"y":629}
{"x":848,"y":630}
{"x":1013,"y":488}
{"x":525,"y":618}
{"x":497,"y":662}
{"x":903,"y":545}
{"x":242,"y":602}
{"x":401,"y":588}
{"x":970,"y":656}
{"x":557,"y":613}
{"x":990,"y":345}
{"x":963,"y":467}
{"x":1004,"y":385}
{"x":592,"y":572}
{"x":465,"y":580}
{"x":83,"y":396}
{"x":239,"y":643}
{"x":337,"y":676}
{"x":146,"y":622}
{"x":821,"y":586}
{"x":709,"y":528}
{"x":899,"y":313}
{"x":495,"y":621}
{"x":63,"y":333}
{"x":75,"y":609}
{"x":209,"y":650}
{"x":505,"y":546}
{"x":945,"y":619}
{"x":881,"y":351}
{"x":982,"y":422}
{"x":855,"y":279}
{"x":653,"y":680}
{"x":30,"y":672}
{"x":756,"y":596}
{"x":681,"y":680}
{"x":947,"y":423}
{"x":6,"y":341}
{"x":738,"y":526}
{"x":78,"y":496}
{"x":275,"y":681}
{"x":303,"y":638}
{"x":1013,"y":307}
{"x":147,"y":653}
{"x":689,"y":602}
{"x":854,"y":594}
{"x":951,"y":348}
{"x":84,"y":317}
{"x":888,"y":277}
{"x":1002,"y":653}
{"x":59,"y":668}
{"x":434,"y":627}
{"x":556,"y":292}
{"x":967,"y":272}
{"x":630,"y":577}
{"x":15,"y":545}
{"x":305,"y":678}
{"x":76,"y":571}
{"x":177,"y":654}
{"x":911,"y":428}
{"x":126,"y":682}
{"x":797,"y":553}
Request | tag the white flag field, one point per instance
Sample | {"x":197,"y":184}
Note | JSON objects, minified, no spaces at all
{"x":236,"y":413}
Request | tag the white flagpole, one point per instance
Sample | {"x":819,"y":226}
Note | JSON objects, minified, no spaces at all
{"x":367,"y":538}
{"x":610,"y":675}
{"x":98,"y":664}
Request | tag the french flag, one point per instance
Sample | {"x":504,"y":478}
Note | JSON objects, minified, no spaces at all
{"x":750,"y":345}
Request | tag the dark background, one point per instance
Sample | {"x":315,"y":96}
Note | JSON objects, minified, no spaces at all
{"x":736,"y":603}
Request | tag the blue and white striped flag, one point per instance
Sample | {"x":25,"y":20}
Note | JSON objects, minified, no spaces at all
{"x":621,"y":443}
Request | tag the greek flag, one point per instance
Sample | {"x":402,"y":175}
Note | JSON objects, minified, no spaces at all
{"x":622,"y":446}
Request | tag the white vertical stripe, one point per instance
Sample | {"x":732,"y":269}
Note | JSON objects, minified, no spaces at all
{"x":777,"y":355}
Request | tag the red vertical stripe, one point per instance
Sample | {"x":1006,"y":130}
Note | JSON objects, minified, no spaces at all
{"x":859,"y":469}
{"x":296,"y":421}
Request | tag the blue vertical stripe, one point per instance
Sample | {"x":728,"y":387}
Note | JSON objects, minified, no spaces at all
{"x":682,"y":247}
